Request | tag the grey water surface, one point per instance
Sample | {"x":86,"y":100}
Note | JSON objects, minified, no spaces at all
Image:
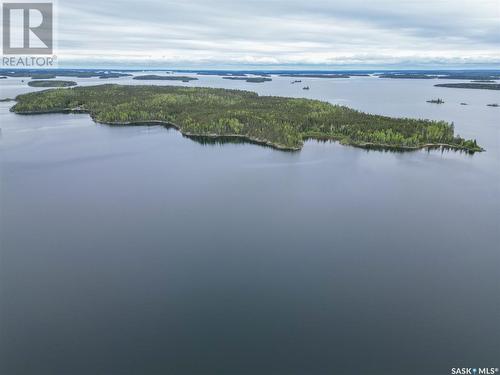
{"x":133,"y":250}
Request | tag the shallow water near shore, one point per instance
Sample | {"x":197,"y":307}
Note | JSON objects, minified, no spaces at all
{"x":127,"y":250}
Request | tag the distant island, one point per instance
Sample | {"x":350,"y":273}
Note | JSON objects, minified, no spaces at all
{"x":221,"y":73}
{"x":43,"y":76}
{"x":52,"y":73}
{"x":298,"y":75}
{"x":465,"y":75}
{"x":493,"y":105}
{"x":153,"y":77}
{"x":249,"y":79}
{"x":407,"y":76}
{"x":477,"y":86}
{"x":51,"y":83}
{"x":113,"y":75}
{"x":231,"y":73}
{"x":282,"y":123}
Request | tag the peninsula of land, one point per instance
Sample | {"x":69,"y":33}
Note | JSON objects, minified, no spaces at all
{"x":282,"y":123}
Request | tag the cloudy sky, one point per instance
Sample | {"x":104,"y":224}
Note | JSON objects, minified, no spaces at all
{"x":279,"y":33}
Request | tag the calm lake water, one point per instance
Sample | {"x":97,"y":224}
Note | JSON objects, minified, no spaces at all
{"x":133,"y":250}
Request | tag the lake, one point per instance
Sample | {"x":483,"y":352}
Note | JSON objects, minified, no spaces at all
{"x":134,"y":250}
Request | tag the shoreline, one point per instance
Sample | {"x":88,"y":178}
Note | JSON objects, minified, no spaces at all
{"x":257,"y":141}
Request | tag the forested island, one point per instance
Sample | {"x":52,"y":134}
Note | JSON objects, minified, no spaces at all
{"x":153,"y":77}
{"x":477,"y":86}
{"x":406,"y":76}
{"x":283,"y":123}
{"x":229,"y":73}
{"x":299,"y":75}
{"x":221,"y":73}
{"x":113,"y":75}
{"x":465,"y":75}
{"x":249,"y":79}
{"x":52,"y":73}
{"x":43,"y":76}
{"x":51,"y":83}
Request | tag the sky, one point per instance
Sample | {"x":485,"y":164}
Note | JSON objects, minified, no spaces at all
{"x":316,"y":34}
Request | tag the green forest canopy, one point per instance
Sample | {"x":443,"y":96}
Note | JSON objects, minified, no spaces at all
{"x":278,"y":121}
{"x":51,"y":83}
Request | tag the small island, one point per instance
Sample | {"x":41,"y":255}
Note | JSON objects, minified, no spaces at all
{"x":6,"y":100}
{"x":282,"y":123}
{"x":153,"y":77}
{"x":52,"y":83}
{"x":477,"y":86}
{"x":493,"y":105}
{"x":249,"y":79}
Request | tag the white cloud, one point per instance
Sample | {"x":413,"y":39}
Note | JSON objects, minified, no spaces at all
{"x":280,"y":32}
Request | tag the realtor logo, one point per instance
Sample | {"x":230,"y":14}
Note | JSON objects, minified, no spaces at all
{"x":27,"y":28}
